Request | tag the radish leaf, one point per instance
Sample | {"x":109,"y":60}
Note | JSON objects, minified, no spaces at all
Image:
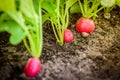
{"x":118,"y":2}
{"x":107,"y":3}
{"x":69,"y":3}
{"x":7,"y":5}
{"x":75,"y":8}
{"x":27,"y":9}
{"x":17,"y":33}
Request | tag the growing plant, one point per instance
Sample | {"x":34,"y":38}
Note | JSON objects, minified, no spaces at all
{"x":33,"y":67}
{"x":68,"y":35}
{"x":57,"y":11}
{"x":108,"y":6}
{"x":117,"y":2}
{"x":85,"y":26}
{"x":23,"y":20}
{"x":89,"y":9}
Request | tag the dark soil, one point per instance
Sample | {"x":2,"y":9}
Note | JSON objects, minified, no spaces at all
{"x":96,"y":57}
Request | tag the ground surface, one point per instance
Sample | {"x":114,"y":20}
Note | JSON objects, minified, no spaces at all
{"x":96,"y":57}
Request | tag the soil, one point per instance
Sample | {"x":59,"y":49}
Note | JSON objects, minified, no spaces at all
{"x":96,"y":57}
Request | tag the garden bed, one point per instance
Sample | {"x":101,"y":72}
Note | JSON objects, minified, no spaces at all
{"x":96,"y":57}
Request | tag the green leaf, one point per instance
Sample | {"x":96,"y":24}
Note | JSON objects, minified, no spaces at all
{"x":36,"y":5}
{"x":50,"y":8}
{"x":45,"y":17}
{"x":4,"y":17}
{"x":17,"y":16}
{"x":27,"y":7}
{"x":75,"y":8}
{"x":17,"y":33}
{"x":7,"y":5}
{"x":69,"y":3}
{"x":107,"y":3}
{"x":117,"y":3}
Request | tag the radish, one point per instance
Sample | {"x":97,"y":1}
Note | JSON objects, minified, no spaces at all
{"x":68,"y":35}
{"x":33,"y":67}
{"x":85,"y":26}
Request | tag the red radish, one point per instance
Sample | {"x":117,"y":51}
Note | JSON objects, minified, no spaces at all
{"x":33,"y":67}
{"x":68,"y":35}
{"x":85,"y":25}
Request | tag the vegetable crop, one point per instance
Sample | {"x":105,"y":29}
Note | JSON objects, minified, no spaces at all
{"x":68,"y":35}
{"x":89,"y":10}
{"x":85,"y":26}
{"x":23,"y":20}
{"x":108,"y":6}
{"x":33,"y":67}
{"x":57,"y":11}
